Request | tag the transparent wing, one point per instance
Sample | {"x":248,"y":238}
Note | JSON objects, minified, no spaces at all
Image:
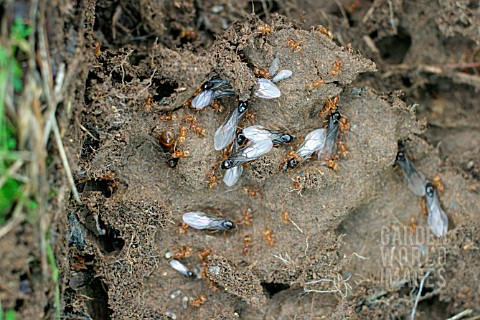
{"x":232,"y":175}
{"x":314,"y":141}
{"x":217,"y":83}
{"x":415,"y":179}
{"x":330,"y":147}
{"x":282,"y":75}
{"x":225,"y":134}
{"x":252,"y":151}
{"x":199,"y":220}
{"x":180,"y":267}
{"x":256,"y":133}
{"x":223,"y":93}
{"x":437,"y":220}
{"x":274,"y":66}
{"x":267,"y":89}
{"x":203,"y":99}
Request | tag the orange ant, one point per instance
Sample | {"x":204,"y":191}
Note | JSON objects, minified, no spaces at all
{"x":189,"y":34}
{"x":182,"y":229}
{"x":180,"y":154}
{"x":212,"y":178}
{"x":296,"y":184}
{"x":438,"y":184}
{"x":198,"y":130}
{"x":98,"y":46}
{"x":333,"y":163}
{"x":202,"y":255}
{"x":189,"y":119}
{"x":265,"y":29}
{"x":285,"y":216}
{"x":247,"y":244}
{"x":247,"y":216}
{"x":314,"y":84}
{"x":251,"y":192}
{"x":325,"y":31}
{"x":166,"y":117}
{"x":344,"y":124}
{"x":342,"y":150}
{"x":261,"y":72}
{"x":330,"y":107}
{"x":148,"y":104}
{"x":217,"y":106}
{"x":185,"y":252}
{"x":182,"y":134}
{"x":295,"y":45}
{"x":336,"y":68}
{"x":268,"y":235}
{"x":250,"y":116}
{"x":199,"y":301}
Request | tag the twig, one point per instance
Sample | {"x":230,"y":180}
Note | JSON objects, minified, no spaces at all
{"x":17,"y":217}
{"x":63,"y":156}
{"x":420,"y":288}
{"x":11,"y":170}
{"x":461,"y":314}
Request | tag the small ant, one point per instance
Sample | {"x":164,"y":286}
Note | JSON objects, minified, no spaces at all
{"x":212,"y":178}
{"x":247,"y":216}
{"x":438,"y":184}
{"x":325,"y":31}
{"x":251,"y":192}
{"x":182,"y":229}
{"x":247,"y":244}
{"x":180,"y":154}
{"x":202,"y":255}
{"x":185,"y":252}
{"x":330,"y":107}
{"x":285,"y":216}
{"x":295,"y":45}
{"x":182,"y":134}
{"x":199,"y":301}
{"x":265,"y":29}
{"x":336,"y":68}
{"x":198,"y":130}
{"x":166,"y":117}
{"x":261,"y":72}
{"x":148,"y":104}
{"x":268,"y":236}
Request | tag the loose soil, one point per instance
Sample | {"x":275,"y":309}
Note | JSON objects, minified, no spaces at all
{"x":356,"y":244}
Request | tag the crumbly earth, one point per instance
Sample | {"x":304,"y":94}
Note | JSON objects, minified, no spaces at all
{"x":355,"y":245}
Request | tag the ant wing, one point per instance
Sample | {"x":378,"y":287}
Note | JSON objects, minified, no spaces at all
{"x":256,"y":133}
{"x":180,"y":267}
{"x":217,"y":84}
{"x":267,"y":89}
{"x":437,"y":220}
{"x":225,"y":134}
{"x":223,"y":93}
{"x":314,"y":141}
{"x":252,"y":151}
{"x":282,"y":75}
{"x":203,"y":99}
{"x":199,"y":220}
{"x":232,"y":175}
{"x":274,"y":67}
{"x":330,"y":147}
{"x":415,"y":179}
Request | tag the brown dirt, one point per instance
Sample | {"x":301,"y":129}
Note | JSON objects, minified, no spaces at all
{"x":357,"y":245}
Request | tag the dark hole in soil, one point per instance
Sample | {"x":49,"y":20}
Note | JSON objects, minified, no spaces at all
{"x":105,"y":186}
{"x":97,"y":305}
{"x":394,"y":48}
{"x":91,"y":142}
{"x":111,"y":240}
{"x":261,"y":9}
{"x":272,"y":288}
{"x":164,"y":89}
